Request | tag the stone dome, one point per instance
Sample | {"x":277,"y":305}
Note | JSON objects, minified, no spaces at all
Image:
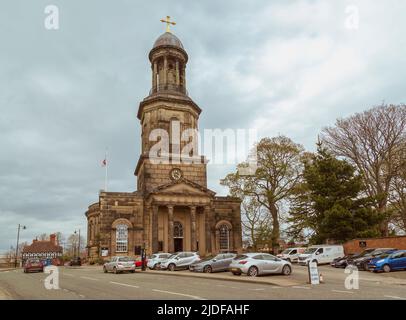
{"x":168,"y":39}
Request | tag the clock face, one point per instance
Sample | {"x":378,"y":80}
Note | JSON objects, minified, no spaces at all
{"x":176,"y":174}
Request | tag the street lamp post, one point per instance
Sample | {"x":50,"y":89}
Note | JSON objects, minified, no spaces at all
{"x":18,"y":240}
{"x":78,"y":244}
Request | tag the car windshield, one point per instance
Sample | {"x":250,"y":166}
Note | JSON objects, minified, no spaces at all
{"x":33,"y":261}
{"x":125,"y":259}
{"x":383,"y":255}
{"x":287,"y":251}
{"x":310,"y":250}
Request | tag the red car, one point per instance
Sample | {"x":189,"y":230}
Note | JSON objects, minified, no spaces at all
{"x":138,"y":262}
{"x":33,"y":265}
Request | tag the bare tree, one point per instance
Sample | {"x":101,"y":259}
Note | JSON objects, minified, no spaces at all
{"x":398,"y":190}
{"x":256,"y":222}
{"x":370,"y":141}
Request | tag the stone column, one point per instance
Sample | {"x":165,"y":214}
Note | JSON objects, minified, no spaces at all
{"x":184,"y":76}
{"x":155,"y":228}
{"x":193,"y":227}
{"x":165,"y":82}
{"x":177,"y":73}
{"x":171,"y":246}
{"x":146,"y":224}
{"x":154,"y":76}
{"x":207,"y":217}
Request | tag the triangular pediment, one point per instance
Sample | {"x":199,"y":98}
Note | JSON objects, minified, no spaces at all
{"x":183,"y":187}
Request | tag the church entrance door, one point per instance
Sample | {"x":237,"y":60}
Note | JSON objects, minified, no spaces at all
{"x":178,"y":244}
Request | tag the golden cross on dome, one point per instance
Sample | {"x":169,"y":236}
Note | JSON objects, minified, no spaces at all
{"x":168,"y":23}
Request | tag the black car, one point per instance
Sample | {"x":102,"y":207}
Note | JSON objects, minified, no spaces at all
{"x":343,"y":261}
{"x":75,"y":262}
{"x":361,"y":262}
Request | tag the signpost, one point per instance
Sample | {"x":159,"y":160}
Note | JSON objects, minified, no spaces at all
{"x":313,"y":273}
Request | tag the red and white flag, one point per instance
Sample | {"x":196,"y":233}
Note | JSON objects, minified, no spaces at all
{"x":104,"y":163}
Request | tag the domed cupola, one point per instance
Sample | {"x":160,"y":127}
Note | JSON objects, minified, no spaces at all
{"x":168,"y":63}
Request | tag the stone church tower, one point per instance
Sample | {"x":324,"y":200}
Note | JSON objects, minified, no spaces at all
{"x":172,"y":209}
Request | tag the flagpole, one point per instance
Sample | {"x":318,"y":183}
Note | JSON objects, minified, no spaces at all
{"x":105,"y":177}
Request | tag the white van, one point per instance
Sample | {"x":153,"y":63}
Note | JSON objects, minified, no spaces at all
{"x":291,"y":254}
{"x":321,"y":254}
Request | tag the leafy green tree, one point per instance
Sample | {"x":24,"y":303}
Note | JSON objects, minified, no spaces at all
{"x":279,"y":165}
{"x":329,"y":202}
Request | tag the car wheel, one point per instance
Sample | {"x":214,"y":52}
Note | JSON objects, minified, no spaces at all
{"x":104,"y":270}
{"x":236,"y":273}
{"x":171,"y":267}
{"x":286,"y":270}
{"x":253,"y":271}
{"x":386,"y":268}
{"x":207,"y":269}
{"x":115,"y":270}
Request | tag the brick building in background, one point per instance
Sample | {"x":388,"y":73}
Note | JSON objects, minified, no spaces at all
{"x":44,"y":250}
{"x":358,"y":245}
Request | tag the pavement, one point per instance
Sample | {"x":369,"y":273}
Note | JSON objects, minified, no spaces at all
{"x":89,"y":282}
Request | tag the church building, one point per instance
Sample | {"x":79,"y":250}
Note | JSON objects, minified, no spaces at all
{"x":172,"y":209}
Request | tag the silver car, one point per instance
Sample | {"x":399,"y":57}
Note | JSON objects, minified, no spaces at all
{"x":255,"y":264}
{"x":155,"y":260}
{"x":119,"y":264}
{"x":220,"y":262}
{"x":180,"y":260}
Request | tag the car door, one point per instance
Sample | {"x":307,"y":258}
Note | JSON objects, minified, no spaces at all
{"x":396,"y":260}
{"x":293,"y":255}
{"x":272,"y":263}
{"x":111,"y":263}
{"x":228,"y":258}
{"x":222,"y":263}
{"x":402,"y":261}
{"x":182,"y":258}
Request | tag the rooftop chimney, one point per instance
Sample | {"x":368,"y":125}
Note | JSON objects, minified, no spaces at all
{"x":52,"y":238}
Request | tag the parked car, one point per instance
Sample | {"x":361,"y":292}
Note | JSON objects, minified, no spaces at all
{"x":291,"y":254}
{"x":255,"y":264}
{"x":155,"y":260}
{"x":217,"y":263}
{"x":119,"y":264}
{"x":362,"y":262}
{"x":33,"y":265}
{"x":179,"y":260}
{"x":347,"y":260}
{"x":138,"y":262}
{"x":341,"y":262}
{"x":388,"y":262}
{"x":321,"y":254}
{"x":75,"y":262}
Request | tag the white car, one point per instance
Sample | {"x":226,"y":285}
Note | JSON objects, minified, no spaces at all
{"x":119,"y":265}
{"x":155,"y":260}
{"x":180,"y":260}
{"x":321,"y":254}
{"x":291,"y":254}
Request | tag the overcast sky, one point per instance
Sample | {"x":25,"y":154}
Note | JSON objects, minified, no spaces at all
{"x":282,"y":67}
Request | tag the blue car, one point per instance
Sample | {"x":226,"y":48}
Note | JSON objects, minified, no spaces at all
{"x":389,"y":262}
